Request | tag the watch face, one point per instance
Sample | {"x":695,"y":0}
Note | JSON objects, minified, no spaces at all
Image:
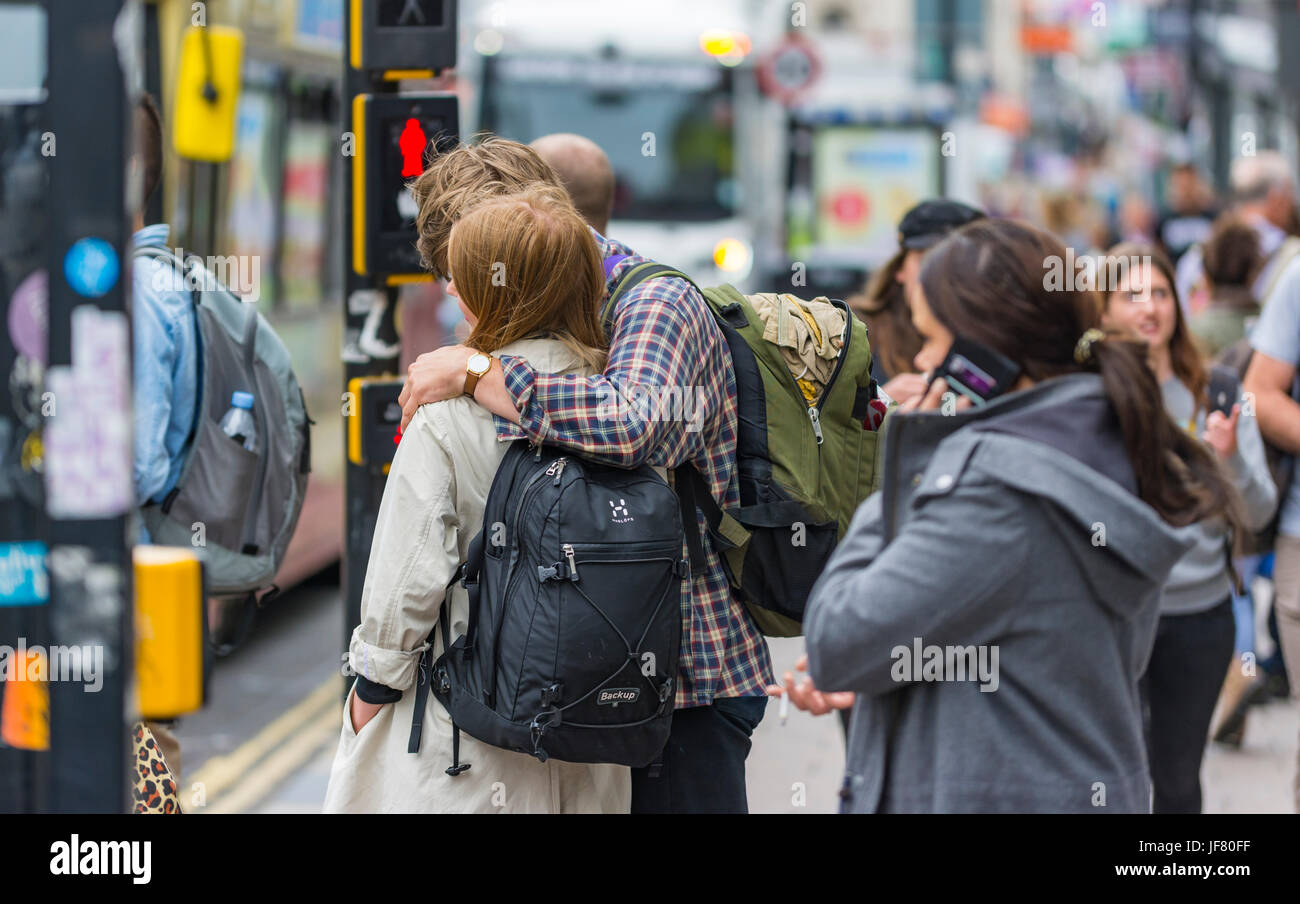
{"x":479,"y":363}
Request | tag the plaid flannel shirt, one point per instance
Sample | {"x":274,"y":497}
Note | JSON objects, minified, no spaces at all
{"x":664,"y":337}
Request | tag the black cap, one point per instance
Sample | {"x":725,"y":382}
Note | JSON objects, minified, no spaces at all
{"x":928,"y":222}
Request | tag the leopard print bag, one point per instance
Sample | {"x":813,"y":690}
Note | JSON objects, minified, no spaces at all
{"x":155,"y":786}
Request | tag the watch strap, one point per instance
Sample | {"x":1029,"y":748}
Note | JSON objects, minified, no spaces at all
{"x":471,"y":378}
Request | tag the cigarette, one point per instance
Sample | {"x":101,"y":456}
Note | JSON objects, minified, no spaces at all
{"x":784,"y":710}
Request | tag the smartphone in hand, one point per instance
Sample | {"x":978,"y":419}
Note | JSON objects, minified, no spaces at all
{"x":977,"y":371}
{"x":1223,"y":391}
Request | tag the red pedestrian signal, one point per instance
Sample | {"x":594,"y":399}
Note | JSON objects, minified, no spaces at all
{"x":412,"y":145}
{"x":396,"y":136}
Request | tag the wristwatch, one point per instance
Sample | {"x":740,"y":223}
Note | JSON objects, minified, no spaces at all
{"x":478,"y":365}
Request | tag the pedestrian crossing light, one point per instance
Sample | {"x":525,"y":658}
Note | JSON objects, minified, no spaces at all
{"x":207,"y":94}
{"x":396,"y":135}
{"x":403,"y":38}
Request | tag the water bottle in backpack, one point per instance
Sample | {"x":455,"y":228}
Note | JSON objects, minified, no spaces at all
{"x":239,"y":423}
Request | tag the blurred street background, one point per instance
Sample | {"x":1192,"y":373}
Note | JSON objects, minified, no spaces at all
{"x":752,"y":141}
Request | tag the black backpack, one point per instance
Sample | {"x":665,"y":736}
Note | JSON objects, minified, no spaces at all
{"x":575,"y":610}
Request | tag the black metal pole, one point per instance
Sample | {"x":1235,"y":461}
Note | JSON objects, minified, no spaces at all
{"x":363,"y":488}
{"x":88,"y":470}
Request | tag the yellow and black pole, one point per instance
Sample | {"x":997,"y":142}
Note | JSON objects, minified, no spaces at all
{"x":388,"y":135}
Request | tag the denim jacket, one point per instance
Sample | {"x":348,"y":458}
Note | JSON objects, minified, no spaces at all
{"x":166,"y":367}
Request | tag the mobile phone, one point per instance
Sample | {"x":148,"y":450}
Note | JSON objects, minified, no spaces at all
{"x":977,"y":371}
{"x":1224,"y":388}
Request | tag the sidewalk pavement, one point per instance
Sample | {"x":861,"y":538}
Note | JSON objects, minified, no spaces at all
{"x":796,"y":767}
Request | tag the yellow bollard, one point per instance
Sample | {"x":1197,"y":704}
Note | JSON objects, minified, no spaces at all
{"x":170,"y":631}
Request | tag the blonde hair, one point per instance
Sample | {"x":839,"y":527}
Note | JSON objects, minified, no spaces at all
{"x":527,"y":263}
{"x":459,"y":179}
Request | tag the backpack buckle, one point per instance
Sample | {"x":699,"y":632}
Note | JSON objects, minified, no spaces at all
{"x":552,"y":694}
{"x":463,"y":576}
{"x":665,"y":692}
{"x":548,"y":572}
{"x":541,"y":724}
{"x":682,"y":568}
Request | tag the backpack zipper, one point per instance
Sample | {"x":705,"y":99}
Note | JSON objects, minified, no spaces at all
{"x":815,"y":410}
{"x":529,"y":488}
{"x":839,"y":360}
{"x":556,"y":469}
{"x":815,"y":416}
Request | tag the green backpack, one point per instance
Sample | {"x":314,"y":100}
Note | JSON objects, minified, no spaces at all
{"x":802,"y":470}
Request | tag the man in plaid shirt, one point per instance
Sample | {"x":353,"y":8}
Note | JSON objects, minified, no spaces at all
{"x":664,"y":337}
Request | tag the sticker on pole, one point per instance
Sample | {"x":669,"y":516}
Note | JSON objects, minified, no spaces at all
{"x":91,"y":267}
{"x":88,"y":444}
{"x":23,"y":578}
{"x":789,"y":71}
{"x":29,"y":316}
{"x":25,"y":712}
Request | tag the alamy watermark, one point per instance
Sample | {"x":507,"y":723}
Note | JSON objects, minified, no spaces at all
{"x":649,"y":402}
{"x":84,"y":663}
{"x":1095,"y":273}
{"x":920,"y":662}
{"x":240,"y":273}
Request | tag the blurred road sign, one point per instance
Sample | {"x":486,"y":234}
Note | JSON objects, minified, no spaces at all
{"x":790,"y":70}
{"x":402,"y":34}
{"x":395,"y":136}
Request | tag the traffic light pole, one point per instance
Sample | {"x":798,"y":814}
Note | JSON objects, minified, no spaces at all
{"x":87,"y":431}
{"x":363,"y":483}
{"x":24,"y":534}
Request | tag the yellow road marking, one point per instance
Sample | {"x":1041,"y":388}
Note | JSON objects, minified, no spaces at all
{"x":280,"y":765}
{"x":221,"y":772}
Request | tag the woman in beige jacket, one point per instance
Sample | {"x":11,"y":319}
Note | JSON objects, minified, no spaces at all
{"x":546,"y":311}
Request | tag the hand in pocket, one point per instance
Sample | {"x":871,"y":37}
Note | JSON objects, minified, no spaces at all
{"x":362,"y":712}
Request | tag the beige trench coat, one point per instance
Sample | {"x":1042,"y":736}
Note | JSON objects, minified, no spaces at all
{"x":431,"y":510}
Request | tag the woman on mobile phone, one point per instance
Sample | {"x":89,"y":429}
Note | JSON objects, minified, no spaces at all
{"x":883,"y":304}
{"x":1194,"y":639}
{"x":990,"y":611}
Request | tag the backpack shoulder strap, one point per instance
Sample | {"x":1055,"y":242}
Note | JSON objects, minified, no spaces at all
{"x":163,"y":253}
{"x":629,"y":281}
{"x":159,"y":253}
{"x":1285,"y":254}
{"x":154,"y":251}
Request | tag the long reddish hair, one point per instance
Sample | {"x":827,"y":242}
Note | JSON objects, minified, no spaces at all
{"x":527,"y":264}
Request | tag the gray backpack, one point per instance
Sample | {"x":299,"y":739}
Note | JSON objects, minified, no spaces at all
{"x":239,"y":508}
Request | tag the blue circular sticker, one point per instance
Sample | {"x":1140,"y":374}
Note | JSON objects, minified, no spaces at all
{"x":91,"y":267}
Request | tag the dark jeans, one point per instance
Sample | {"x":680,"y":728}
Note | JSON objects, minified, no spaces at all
{"x":1179,"y":690}
{"x":703,"y":768}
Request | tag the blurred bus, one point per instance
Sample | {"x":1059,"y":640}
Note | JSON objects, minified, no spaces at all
{"x":667,"y":89}
{"x":273,"y":201}
{"x":752,"y":140}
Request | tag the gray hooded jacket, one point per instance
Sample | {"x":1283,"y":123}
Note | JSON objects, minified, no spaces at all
{"x":993,"y":607}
